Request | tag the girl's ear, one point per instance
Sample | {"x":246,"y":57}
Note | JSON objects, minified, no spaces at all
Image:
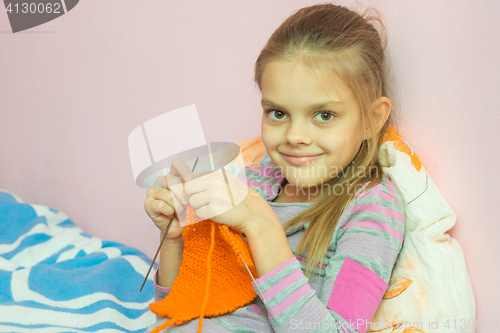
{"x":381,"y":109}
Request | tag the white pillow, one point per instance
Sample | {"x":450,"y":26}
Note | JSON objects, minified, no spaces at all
{"x":430,"y":287}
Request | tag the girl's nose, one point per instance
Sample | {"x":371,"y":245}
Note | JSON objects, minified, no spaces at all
{"x":298,"y":134}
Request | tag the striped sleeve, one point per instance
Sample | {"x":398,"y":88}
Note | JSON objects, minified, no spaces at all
{"x":160,"y":294}
{"x":367,"y":245}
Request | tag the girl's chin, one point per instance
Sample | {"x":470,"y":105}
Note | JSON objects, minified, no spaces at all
{"x":304,"y":183}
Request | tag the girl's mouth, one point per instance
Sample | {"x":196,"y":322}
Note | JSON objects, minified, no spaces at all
{"x":295,"y":160}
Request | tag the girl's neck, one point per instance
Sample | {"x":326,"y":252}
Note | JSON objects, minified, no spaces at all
{"x":283,"y":197}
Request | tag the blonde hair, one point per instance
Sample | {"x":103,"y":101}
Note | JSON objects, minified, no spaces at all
{"x":345,"y":44}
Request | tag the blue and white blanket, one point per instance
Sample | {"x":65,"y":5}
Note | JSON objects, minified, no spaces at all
{"x":56,"y":278}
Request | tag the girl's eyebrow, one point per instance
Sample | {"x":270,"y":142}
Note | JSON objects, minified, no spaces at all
{"x":311,"y":107}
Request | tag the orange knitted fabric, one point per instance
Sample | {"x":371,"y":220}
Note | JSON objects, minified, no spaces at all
{"x":212,"y":278}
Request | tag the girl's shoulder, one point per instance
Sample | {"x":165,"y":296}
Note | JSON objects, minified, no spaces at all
{"x":378,"y":209}
{"x":385,"y":191}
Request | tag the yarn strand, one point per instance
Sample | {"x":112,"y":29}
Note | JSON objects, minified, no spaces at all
{"x":207,"y":286}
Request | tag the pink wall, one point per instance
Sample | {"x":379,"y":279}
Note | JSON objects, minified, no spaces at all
{"x":73,"y":89}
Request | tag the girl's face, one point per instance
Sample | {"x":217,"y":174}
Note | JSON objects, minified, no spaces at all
{"x":308,"y":114}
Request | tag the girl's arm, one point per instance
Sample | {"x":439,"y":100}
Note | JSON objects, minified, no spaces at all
{"x":367,"y":245}
{"x":268,"y":244}
{"x":167,"y":271}
{"x":170,"y":261}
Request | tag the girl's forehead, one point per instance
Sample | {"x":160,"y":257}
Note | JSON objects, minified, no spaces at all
{"x":285,"y":80}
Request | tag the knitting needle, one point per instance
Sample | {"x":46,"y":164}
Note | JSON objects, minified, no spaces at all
{"x":260,"y":292}
{"x":161,"y":243}
{"x":154,"y":259}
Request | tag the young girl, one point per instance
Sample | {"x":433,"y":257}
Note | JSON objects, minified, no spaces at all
{"x":326,"y":226}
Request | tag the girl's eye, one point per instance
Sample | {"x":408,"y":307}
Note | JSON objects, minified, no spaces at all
{"x":326,"y":116}
{"x":279,"y":114}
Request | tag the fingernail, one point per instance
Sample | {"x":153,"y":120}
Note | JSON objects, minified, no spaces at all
{"x":184,"y":199}
{"x":189,"y":177}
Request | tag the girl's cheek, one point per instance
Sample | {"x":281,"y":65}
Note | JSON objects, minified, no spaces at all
{"x":267,"y":137}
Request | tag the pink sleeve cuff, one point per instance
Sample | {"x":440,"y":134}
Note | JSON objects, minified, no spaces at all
{"x":283,"y":289}
{"x":160,"y":292}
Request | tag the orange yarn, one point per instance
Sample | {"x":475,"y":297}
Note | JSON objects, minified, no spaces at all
{"x":219,"y":285}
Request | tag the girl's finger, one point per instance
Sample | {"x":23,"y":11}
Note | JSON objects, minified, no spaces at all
{"x":180,"y":169}
{"x":177,"y":205}
{"x":199,"y":200}
{"x":164,"y":208}
{"x":179,"y":173}
{"x":160,"y":194}
{"x":166,"y":196}
{"x":200,"y":183}
{"x":160,"y":183}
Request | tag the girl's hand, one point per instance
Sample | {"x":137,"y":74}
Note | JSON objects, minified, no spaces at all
{"x":213,"y":198}
{"x":161,"y":202}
